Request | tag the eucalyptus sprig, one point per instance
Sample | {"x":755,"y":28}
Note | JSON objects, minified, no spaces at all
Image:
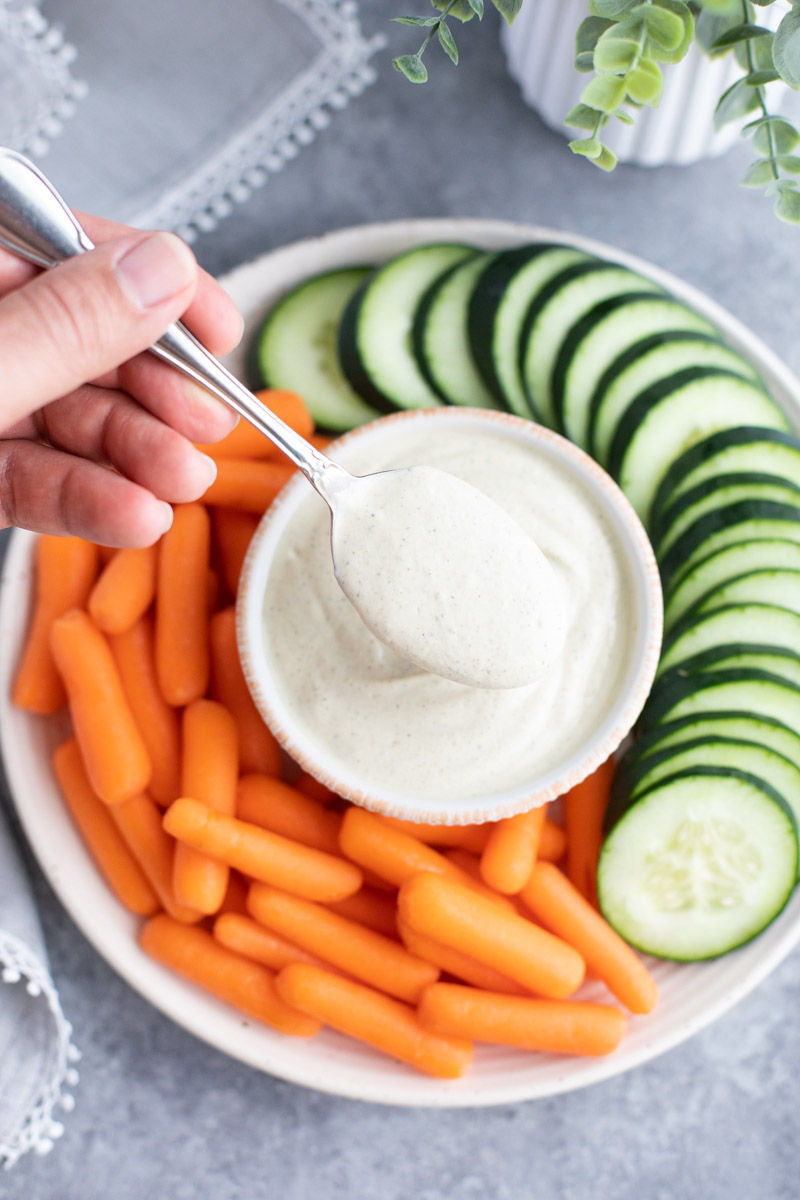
{"x":411,"y":65}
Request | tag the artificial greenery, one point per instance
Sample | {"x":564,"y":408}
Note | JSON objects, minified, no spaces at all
{"x":625,"y":44}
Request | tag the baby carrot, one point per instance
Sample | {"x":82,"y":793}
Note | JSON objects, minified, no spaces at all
{"x":156,"y":720}
{"x":312,"y":788}
{"x":233,"y":532}
{"x":213,"y":592}
{"x":248,"y":484}
{"x":65,"y":571}
{"x":511,"y":849}
{"x":119,"y":867}
{"x":369,"y":907}
{"x":556,"y":1027}
{"x":459,"y":917}
{"x":553,"y":842}
{"x":235,"y":898}
{"x":264,"y":855}
{"x":367,"y":1015}
{"x":467,"y":837}
{"x":366,"y":955}
{"x":584,"y":809}
{"x":246,"y":442}
{"x":125,"y":589}
{"x":274,"y":805}
{"x":139,"y":822}
{"x":319,"y":441}
{"x":463,"y":966}
{"x":258,"y":749}
{"x":246,"y":985}
{"x":182,"y":661}
{"x":558,"y":904}
{"x":115,"y":755}
{"x":209,"y":773}
{"x":245,"y":936}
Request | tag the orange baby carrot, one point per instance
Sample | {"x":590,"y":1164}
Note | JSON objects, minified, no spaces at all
{"x":213,"y":592}
{"x":115,"y":755}
{"x":319,"y":441}
{"x":233,"y":532}
{"x":273,"y":805}
{"x":466,"y":837}
{"x":65,"y":571}
{"x":459,"y":917}
{"x":235,"y":898}
{"x":556,"y":1027}
{"x":366,"y":955}
{"x":369,"y":1016}
{"x":108,"y":848}
{"x":369,"y":907}
{"x":553,"y":842}
{"x":248,"y":484}
{"x":264,"y":855}
{"x":584,"y":809}
{"x":312,"y":788}
{"x":156,"y":720}
{"x":510,"y":852}
{"x":139,"y":822}
{"x":125,"y":589}
{"x":558,"y":904}
{"x":182,"y":660}
{"x":246,"y":985}
{"x":463,"y":966}
{"x":209,"y":773}
{"x":246,"y":442}
{"x":245,"y":936}
{"x":258,"y":749}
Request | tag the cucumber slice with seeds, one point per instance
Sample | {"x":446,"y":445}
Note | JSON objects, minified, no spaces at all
{"x":762,"y":731}
{"x":725,"y":565}
{"x":738,"y":656}
{"x":747,"y":521}
{"x":729,"y":626}
{"x":781,"y":588}
{"x":746,"y":692}
{"x":715,"y":493}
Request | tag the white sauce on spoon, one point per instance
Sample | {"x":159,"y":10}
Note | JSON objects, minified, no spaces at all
{"x":446,"y":578}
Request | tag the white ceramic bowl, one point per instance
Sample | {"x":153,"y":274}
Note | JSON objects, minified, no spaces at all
{"x":639,"y":566}
{"x":691,"y":995}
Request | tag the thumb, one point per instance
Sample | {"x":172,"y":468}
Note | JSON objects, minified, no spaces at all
{"x":88,"y":315}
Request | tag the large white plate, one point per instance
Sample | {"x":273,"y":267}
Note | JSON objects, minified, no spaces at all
{"x":691,"y":996}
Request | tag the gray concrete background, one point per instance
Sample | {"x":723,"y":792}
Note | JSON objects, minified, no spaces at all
{"x":161,"y":1115}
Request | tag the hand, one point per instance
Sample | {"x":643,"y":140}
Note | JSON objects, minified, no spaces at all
{"x":95,"y":435}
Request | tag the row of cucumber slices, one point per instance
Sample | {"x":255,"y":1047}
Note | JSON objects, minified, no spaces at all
{"x":702,"y":846}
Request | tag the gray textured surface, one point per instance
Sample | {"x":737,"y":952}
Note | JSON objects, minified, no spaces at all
{"x":161,"y":1115}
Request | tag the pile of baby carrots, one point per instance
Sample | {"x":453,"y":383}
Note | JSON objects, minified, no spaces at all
{"x":255,"y":881}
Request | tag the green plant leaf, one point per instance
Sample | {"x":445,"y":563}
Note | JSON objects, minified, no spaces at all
{"x":681,"y":11}
{"x":736,"y":102}
{"x":739,"y":33}
{"x":644,"y":85}
{"x":606,"y":161}
{"x":581,"y":117}
{"x":724,"y":7}
{"x":415,"y":20}
{"x":787,"y":206}
{"x":623,"y":116}
{"x":773,"y":135}
{"x":758,"y":174}
{"x":614,"y":9}
{"x":412,"y":66}
{"x":447,"y":42}
{"x":462,"y":9}
{"x":786,"y":48}
{"x":789,"y":162}
{"x":508,"y":9}
{"x":760,"y":78}
{"x":586,"y":38}
{"x":588,"y":147}
{"x":477,"y":8}
{"x":664,"y":27}
{"x":605,"y":92}
{"x":710,"y":26}
{"x":615,"y":54}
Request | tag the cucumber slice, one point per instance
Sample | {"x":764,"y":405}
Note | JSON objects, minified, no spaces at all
{"x":699,"y":864}
{"x":716,"y":493}
{"x":644,"y":363}
{"x":557,"y":309}
{"x":606,"y":334}
{"x":745,"y":448}
{"x":497,"y":311}
{"x":441,"y":337}
{"x":296,"y":349}
{"x":745,"y":692}
{"x":749,"y":520}
{"x":781,"y":588}
{"x":737,"y":726}
{"x":375,"y":346}
{"x":671,"y":415}
{"x":727,"y":564}
{"x":753,"y":623}
{"x":760,"y":656}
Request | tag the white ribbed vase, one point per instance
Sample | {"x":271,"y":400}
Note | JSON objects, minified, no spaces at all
{"x":540,"y":49}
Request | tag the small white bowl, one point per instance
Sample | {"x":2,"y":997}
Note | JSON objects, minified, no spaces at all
{"x":646,"y":607}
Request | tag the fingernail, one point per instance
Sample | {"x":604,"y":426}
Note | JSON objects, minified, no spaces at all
{"x":156,"y":268}
{"x":209,"y":466}
{"x":167,"y":515}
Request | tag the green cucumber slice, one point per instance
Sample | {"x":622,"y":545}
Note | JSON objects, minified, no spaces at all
{"x":761,"y":656}
{"x":781,"y":588}
{"x":729,"y":626}
{"x":716,"y":493}
{"x":727,"y":564}
{"x":375,"y":346}
{"x":747,"y":692}
{"x":749,"y":520}
{"x":763,"y":731}
{"x":296,"y":349}
{"x":699,"y":864}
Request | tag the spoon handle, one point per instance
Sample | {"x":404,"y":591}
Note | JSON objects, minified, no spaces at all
{"x":37,"y":225}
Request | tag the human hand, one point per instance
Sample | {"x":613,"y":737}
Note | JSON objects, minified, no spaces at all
{"x":95,"y":434}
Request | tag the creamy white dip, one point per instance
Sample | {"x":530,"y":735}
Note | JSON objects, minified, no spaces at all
{"x":445,"y":577}
{"x":403,"y":729}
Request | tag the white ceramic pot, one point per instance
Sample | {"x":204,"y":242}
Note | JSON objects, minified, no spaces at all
{"x":540,"y":50}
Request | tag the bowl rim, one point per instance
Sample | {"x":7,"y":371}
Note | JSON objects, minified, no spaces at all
{"x":644,"y":644}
